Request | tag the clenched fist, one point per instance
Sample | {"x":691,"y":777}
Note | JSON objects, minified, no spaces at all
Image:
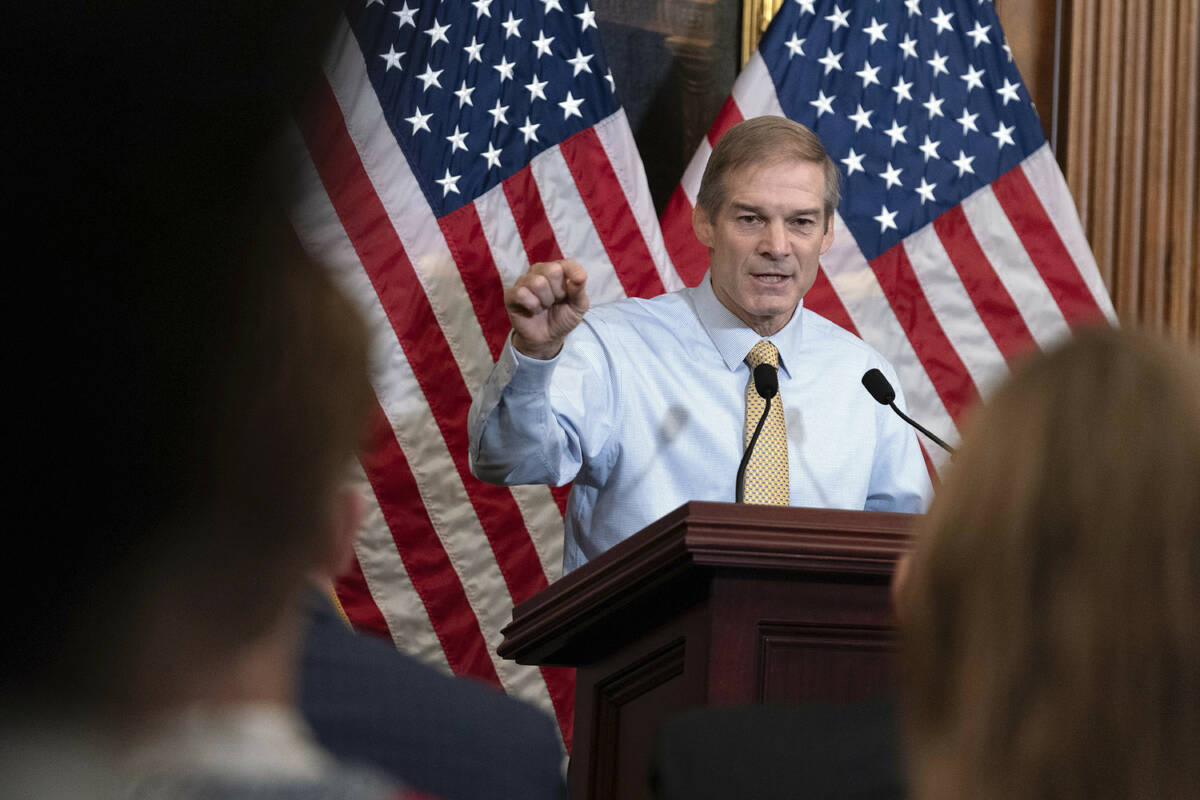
{"x":545,"y":304}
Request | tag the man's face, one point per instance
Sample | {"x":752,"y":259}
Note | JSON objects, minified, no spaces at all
{"x":766,"y":239}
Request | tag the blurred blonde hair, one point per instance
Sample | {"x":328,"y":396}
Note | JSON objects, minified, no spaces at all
{"x":1051,"y":642}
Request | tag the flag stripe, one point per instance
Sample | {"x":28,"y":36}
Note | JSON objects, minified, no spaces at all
{"x":386,"y":578}
{"x":755,"y":95}
{"x":727,"y":117}
{"x":396,"y":284}
{"x":995,"y":305}
{"x":572,"y":225}
{"x":822,"y":299}
{"x":621,"y":150}
{"x":444,"y":498}
{"x":481,"y":279}
{"x":855,"y":283}
{"x":424,"y":557}
{"x":1045,"y":248}
{"x":525,"y":202}
{"x":1002,"y":247}
{"x":1051,"y":187}
{"x":619,"y":234}
{"x":942,"y":364}
{"x":689,"y":256}
{"x":358,"y":604}
{"x":389,"y":584}
{"x":393,"y":276}
{"x":939,"y":284}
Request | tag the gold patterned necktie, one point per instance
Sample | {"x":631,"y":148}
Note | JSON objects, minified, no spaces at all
{"x":767,"y":473}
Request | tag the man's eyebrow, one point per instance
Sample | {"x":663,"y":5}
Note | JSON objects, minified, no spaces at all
{"x":753,"y":209}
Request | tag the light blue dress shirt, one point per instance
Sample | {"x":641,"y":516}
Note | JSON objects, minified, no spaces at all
{"x":644,"y":408}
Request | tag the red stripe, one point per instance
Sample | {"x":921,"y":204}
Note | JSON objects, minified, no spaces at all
{"x":1049,"y":255}
{"x":530,"y":215}
{"x":933,"y":475}
{"x":424,"y":557}
{"x":727,"y":117}
{"x":687,"y":254}
{"x":400,"y":292}
{"x":403,"y":299}
{"x":611,"y":215}
{"x":822,"y":299}
{"x":561,"y":682}
{"x":469,"y":247}
{"x":945,"y":369}
{"x":356,"y":600}
{"x":993,"y":302}
{"x":559,"y":493}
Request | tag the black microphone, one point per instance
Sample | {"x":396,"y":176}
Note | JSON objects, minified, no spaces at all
{"x":766,"y":383}
{"x":879,"y":387}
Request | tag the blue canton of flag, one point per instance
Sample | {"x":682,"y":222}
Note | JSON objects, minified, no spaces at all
{"x":473,"y":91}
{"x":920,"y":106}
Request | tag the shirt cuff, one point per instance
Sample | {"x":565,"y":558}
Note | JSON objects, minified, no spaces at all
{"x":524,"y":374}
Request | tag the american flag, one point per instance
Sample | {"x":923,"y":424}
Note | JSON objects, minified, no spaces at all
{"x":957,"y":246}
{"x":448,"y":146}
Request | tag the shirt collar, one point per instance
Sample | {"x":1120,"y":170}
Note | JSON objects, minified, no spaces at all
{"x":733,"y":339}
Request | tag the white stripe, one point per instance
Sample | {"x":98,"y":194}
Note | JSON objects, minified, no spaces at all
{"x":408,"y":412}
{"x":401,"y":195}
{"x":1048,"y":183}
{"x":619,"y":146}
{"x":503,"y":238}
{"x":544,"y":522}
{"x":572,"y":225}
{"x":389,"y":584}
{"x":869,"y":310}
{"x":999,"y":242}
{"x":754,"y":90}
{"x":439,"y":275}
{"x":951,"y":304}
{"x":695,"y":171}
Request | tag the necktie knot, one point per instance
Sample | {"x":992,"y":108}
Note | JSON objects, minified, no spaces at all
{"x":763,"y":353}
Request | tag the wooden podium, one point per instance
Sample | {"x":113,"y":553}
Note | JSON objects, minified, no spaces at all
{"x":714,"y":604}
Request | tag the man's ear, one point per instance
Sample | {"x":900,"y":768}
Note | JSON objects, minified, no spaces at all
{"x":345,"y":518}
{"x":703,"y":226}
{"x":827,"y":238}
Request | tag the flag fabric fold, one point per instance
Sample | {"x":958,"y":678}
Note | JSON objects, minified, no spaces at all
{"x":446,"y":147}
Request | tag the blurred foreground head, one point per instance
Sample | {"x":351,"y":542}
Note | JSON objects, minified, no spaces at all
{"x":190,"y":384}
{"x":1052,"y":614}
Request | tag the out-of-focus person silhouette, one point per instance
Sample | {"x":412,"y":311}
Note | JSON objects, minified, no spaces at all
{"x":453,"y":736}
{"x":1051,"y":614}
{"x":192,"y":389}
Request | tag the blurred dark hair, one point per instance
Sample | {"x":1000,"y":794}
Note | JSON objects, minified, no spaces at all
{"x":190,"y":381}
{"x":1052,"y":613}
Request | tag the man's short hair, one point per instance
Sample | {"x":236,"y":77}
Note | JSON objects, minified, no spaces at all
{"x":764,"y":140}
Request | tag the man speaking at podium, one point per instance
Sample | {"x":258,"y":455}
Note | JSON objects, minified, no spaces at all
{"x":649,"y":404}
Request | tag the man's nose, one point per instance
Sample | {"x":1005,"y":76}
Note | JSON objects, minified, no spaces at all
{"x":774,"y":240}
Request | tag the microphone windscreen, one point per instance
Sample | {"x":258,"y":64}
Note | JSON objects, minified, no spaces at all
{"x":879,"y":387}
{"x":766,"y":381}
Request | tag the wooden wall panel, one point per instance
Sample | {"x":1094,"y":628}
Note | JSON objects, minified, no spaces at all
{"x":1131,"y":80}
